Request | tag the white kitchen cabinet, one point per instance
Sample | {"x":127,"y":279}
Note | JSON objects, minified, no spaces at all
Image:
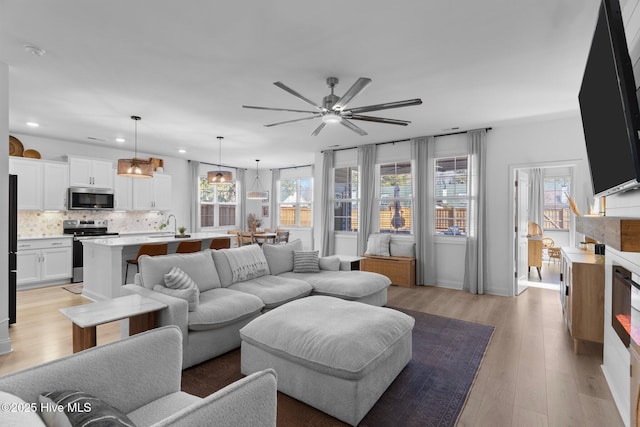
{"x":43,"y":262}
{"x":123,"y":192}
{"x":152,"y":193}
{"x":86,"y":172}
{"x":42,"y":185}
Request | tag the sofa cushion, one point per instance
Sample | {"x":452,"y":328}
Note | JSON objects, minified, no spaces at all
{"x":198,"y":265}
{"x":407,"y":249}
{"x":305,"y":262}
{"x":223,"y":257}
{"x":304,"y":331}
{"x":349,"y":285}
{"x":280,"y":257}
{"x":79,"y":409}
{"x":378,"y":244}
{"x":274,"y":290}
{"x":190,"y":295}
{"x":220,"y":307}
{"x":329,"y":263}
{"x":24,"y":417}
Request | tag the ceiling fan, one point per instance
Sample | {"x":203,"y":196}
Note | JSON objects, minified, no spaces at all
{"x":334,"y":108}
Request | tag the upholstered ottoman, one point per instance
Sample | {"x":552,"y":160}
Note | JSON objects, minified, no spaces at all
{"x":335,"y":355}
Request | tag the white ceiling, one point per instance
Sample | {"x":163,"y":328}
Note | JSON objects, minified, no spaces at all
{"x":188,"y":67}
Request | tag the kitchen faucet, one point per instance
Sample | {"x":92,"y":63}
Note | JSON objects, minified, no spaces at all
{"x":175,"y":223}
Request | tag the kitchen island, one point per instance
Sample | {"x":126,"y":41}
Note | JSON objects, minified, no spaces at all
{"x":105,"y":260}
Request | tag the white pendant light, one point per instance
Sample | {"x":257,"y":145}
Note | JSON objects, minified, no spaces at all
{"x":135,"y":168}
{"x":219,"y":176}
{"x":256,"y":191}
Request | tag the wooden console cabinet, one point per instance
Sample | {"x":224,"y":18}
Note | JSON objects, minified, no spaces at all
{"x":582,"y":295}
{"x":400,"y":270}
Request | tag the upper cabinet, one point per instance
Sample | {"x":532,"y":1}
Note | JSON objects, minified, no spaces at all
{"x":123,"y":192}
{"x":86,"y":172}
{"x":152,"y":193}
{"x":42,"y":185}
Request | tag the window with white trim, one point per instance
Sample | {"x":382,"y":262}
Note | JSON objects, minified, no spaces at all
{"x":217,"y":204}
{"x":557,"y":211}
{"x":395,"y":197}
{"x":295,"y":202}
{"x":345,"y":199}
{"x":451,"y":195}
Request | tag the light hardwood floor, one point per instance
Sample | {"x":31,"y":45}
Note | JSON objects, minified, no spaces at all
{"x":529,"y":376}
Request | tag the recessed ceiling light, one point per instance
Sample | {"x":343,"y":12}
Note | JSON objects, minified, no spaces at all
{"x":33,"y":124}
{"x":182,"y":150}
{"x":120,"y":140}
{"x":34,"y":50}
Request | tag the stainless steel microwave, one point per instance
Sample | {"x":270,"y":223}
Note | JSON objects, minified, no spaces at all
{"x":90,"y":198}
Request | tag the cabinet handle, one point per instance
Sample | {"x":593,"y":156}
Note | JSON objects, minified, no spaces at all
{"x":56,"y":243}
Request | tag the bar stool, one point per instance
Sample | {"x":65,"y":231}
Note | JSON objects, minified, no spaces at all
{"x":189,"y":246}
{"x":220,"y":243}
{"x":151,"y":249}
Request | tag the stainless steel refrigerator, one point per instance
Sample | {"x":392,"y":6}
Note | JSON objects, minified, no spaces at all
{"x":13,"y":244}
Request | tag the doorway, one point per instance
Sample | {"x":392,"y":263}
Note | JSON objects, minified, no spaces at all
{"x":551,"y":226}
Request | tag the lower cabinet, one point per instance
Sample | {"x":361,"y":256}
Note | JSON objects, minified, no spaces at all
{"x":582,"y":295}
{"x":400,"y":270}
{"x":43,"y":262}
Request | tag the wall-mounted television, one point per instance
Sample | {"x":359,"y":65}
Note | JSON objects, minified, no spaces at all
{"x":609,"y":106}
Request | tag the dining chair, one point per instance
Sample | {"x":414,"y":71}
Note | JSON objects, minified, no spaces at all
{"x":151,"y":249}
{"x":189,"y":246}
{"x":282,"y":236}
{"x":246,"y":238}
{"x":220,"y":243}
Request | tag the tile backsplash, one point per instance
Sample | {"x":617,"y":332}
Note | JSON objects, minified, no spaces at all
{"x":35,"y":223}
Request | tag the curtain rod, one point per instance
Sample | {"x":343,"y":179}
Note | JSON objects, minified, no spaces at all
{"x":409,"y":139}
{"x":292,"y":167}
{"x":217,"y":165}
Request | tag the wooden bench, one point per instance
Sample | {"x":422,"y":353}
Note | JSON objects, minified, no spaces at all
{"x":399,"y":269}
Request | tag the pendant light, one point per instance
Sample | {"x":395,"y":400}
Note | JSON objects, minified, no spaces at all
{"x":219,"y":176}
{"x":135,"y":168}
{"x":257,"y":192}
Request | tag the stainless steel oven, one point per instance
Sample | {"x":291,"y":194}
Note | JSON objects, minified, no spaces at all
{"x":82,"y":230}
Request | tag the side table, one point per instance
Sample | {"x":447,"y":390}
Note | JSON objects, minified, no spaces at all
{"x":139,"y":310}
{"x":349,"y":263}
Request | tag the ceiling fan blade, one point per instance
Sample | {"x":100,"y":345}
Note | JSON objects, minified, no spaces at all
{"x":360,"y":85}
{"x":296,"y":94}
{"x":279,"y":109}
{"x":353,"y":127}
{"x":291,"y":121}
{"x":379,"y":120}
{"x":318,"y":129}
{"x":385,"y":106}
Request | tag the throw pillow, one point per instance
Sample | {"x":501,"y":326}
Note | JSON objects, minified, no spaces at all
{"x":191,"y":295}
{"x":18,"y":413}
{"x":305,"y":262}
{"x":330,"y":263}
{"x":78,"y":408}
{"x":178,"y":279}
{"x":378,"y":244}
{"x":280,"y":257}
{"x":402,"y":249}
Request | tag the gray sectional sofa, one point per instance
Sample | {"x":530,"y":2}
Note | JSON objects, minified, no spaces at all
{"x":237,"y":285}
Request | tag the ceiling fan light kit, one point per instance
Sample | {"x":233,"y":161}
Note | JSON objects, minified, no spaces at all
{"x":334,"y":108}
{"x":219,"y":176}
{"x":256,"y":192}
{"x":135,"y":167}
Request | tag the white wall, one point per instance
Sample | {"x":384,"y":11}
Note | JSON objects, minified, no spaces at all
{"x":5,"y":341}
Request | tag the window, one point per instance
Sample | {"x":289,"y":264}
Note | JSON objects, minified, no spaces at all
{"x":556,"y":205}
{"x":451,"y":195}
{"x":294,"y":202}
{"x":217,"y":204}
{"x":345,"y":211}
{"x":395,"y":198}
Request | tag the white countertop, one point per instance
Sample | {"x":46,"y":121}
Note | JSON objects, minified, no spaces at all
{"x":160,"y":238}
{"x":52,"y":236}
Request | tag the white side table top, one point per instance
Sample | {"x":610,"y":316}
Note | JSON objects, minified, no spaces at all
{"x":110,"y":310}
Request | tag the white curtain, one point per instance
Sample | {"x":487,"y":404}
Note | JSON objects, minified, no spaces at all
{"x":422,"y":150}
{"x":241,"y":195}
{"x":194,"y":196}
{"x":536,"y":196}
{"x":274,"y":211}
{"x":328,"y":241}
{"x":475,"y":258}
{"x":366,"y":163}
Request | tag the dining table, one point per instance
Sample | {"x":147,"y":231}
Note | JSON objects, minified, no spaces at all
{"x":263,"y":237}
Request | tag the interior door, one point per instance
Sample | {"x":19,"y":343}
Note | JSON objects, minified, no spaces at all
{"x":521,"y":220}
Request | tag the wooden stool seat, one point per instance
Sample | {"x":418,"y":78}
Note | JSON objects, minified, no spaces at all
{"x":151,"y":249}
{"x":220,"y":243}
{"x":189,"y":246}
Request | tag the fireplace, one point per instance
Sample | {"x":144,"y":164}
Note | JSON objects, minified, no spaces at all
{"x":625,"y":305}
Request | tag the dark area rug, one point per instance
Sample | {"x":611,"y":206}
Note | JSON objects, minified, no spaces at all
{"x":430,"y":391}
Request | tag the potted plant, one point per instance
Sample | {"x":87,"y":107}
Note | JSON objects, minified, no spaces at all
{"x":254,"y":222}
{"x":181,"y":230}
